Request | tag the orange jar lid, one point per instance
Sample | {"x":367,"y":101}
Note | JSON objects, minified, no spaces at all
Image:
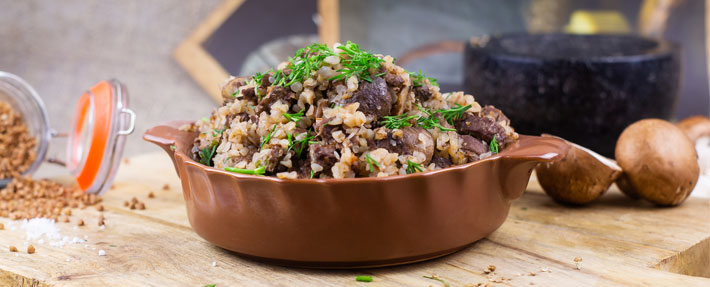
{"x":102,"y":119}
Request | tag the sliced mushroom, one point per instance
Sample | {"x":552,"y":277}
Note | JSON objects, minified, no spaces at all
{"x":580,"y":177}
{"x":659,"y":161}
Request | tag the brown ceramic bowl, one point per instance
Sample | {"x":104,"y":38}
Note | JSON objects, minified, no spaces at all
{"x":355,"y":222}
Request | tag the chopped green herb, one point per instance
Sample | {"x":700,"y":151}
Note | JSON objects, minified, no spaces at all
{"x":173,"y":147}
{"x":435,"y":277}
{"x":371,"y":161}
{"x":418,"y":79}
{"x":206,"y":155}
{"x":363,"y":278}
{"x":493,"y":147}
{"x":299,"y":145}
{"x":217,"y":132}
{"x":210,"y":285}
{"x":294,"y":117}
{"x":234,"y":95}
{"x":524,"y":208}
{"x":251,"y":107}
{"x":396,"y":122}
{"x":312,"y":173}
{"x":430,"y":121}
{"x":413,"y":167}
{"x":455,"y":113}
{"x":332,"y":106}
{"x":267,"y":138}
{"x":112,"y":245}
{"x":356,"y":63}
{"x":257,"y":171}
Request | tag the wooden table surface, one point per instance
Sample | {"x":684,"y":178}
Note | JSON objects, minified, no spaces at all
{"x":620,"y":242}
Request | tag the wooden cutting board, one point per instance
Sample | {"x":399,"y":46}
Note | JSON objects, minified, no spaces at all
{"x":620,"y":242}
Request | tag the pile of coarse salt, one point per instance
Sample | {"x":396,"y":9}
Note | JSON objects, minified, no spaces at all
{"x":39,"y":228}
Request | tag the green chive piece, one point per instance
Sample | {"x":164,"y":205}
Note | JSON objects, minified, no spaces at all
{"x":363,"y":278}
{"x":257,"y":171}
{"x":371,"y":161}
{"x":267,"y":138}
{"x":294,"y":117}
{"x":210,"y":285}
{"x":493,"y":147}
{"x":413,"y":167}
{"x":312,"y":173}
{"x":173,"y":147}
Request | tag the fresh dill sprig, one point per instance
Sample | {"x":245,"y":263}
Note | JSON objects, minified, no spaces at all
{"x":396,"y":122}
{"x":294,"y":117}
{"x":217,"y":132}
{"x":356,"y":62}
{"x":257,"y":171}
{"x":430,"y":121}
{"x":418,"y":79}
{"x":206,"y":155}
{"x":413,"y":167}
{"x":312,"y":173}
{"x":267,"y":138}
{"x":493,"y":147}
{"x":371,"y":161}
{"x":455,"y":113}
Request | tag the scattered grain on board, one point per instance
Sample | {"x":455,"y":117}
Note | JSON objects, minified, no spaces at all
{"x":578,"y":263}
{"x":30,"y":249}
{"x":2,"y":226}
{"x":166,"y":186}
{"x":101,"y":220}
{"x":151,"y":195}
{"x":26,"y":198}
{"x":80,"y":222}
{"x":100,"y":207}
{"x":13,"y":248}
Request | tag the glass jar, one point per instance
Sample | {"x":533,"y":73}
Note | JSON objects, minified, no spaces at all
{"x":101,"y":122}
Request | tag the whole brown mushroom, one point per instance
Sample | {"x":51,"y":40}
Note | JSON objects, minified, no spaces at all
{"x":695,"y":127}
{"x":659,"y":161}
{"x":580,"y":177}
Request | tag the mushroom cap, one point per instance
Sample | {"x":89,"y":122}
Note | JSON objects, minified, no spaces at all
{"x":659,"y":161}
{"x":695,"y":127}
{"x":580,"y":177}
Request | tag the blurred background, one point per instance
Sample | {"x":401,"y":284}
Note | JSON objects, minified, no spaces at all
{"x":172,"y":55}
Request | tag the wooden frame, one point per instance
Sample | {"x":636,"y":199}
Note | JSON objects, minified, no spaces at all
{"x":207,"y":72}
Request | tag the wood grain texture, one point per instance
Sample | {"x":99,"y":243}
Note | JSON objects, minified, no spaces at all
{"x":622,"y":242}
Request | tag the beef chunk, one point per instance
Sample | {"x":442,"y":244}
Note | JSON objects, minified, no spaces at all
{"x":324,"y":131}
{"x":249,"y":94}
{"x":472,"y":147}
{"x":324,"y":155}
{"x":441,"y":161}
{"x":394,"y":80}
{"x":276,"y":94}
{"x":480,"y":127}
{"x":374,"y":98}
{"x":277,"y":152}
{"x":406,"y":141}
{"x":230,"y":88}
{"x":422,"y":93}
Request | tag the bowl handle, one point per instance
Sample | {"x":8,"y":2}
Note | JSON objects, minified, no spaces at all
{"x":170,"y":138}
{"x":518,"y":161}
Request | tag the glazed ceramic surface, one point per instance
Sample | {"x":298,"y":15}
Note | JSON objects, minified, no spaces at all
{"x":356,"y":222}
